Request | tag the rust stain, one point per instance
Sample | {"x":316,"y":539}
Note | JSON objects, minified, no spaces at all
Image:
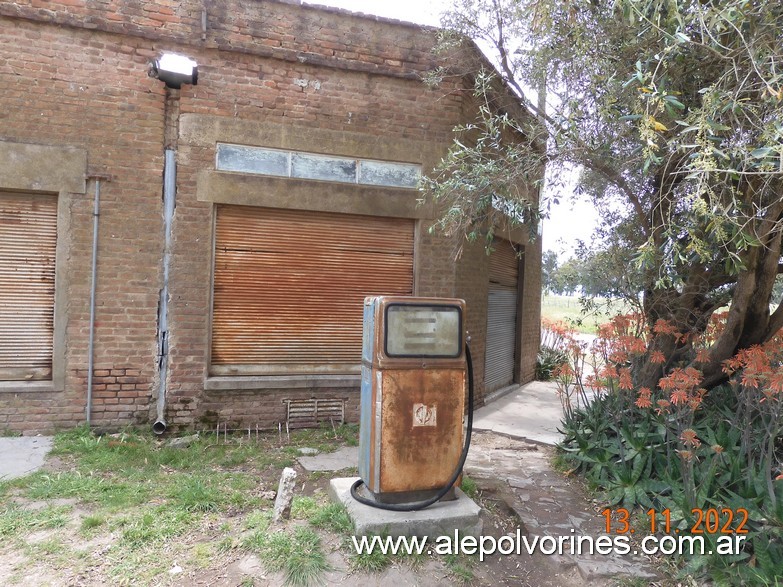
{"x":419,"y":458}
{"x":289,"y":286}
{"x":28,"y":241}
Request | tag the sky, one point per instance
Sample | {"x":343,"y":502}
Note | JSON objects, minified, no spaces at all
{"x":569,"y":221}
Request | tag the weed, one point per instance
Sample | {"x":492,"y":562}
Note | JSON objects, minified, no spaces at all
{"x":141,"y":529}
{"x":303,"y":507}
{"x":238,"y":457}
{"x":15,"y":521}
{"x":258,"y":520}
{"x":469,"y":487}
{"x":459,"y":569}
{"x":203,"y":554}
{"x":333,"y":517}
{"x":193,"y":495}
{"x":226,"y":544}
{"x":49,"y":547}
{"x":88,"y":488}
{"x":298,"y":555}
{"x":372,"y":562}
{"x":91,"y":522}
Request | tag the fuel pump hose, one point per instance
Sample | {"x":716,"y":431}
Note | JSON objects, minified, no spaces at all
{"x":420,"y":505}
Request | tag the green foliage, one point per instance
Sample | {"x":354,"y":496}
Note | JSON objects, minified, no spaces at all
{"x":485,"y":181}
{"x":469,"y":487}
{"x":333,"y":517}
{"x":196,"y":495}
{"x":152,"y":526}
{"x":671,"y":111}
{"x":548,"y":360}
{"x":628,"y":454}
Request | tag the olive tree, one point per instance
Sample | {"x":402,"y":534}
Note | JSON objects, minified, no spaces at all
{"x":673,"y":110}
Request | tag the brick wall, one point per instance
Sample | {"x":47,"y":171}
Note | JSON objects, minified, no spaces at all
{"x":80,"y":88}
{"x":83,"y":82}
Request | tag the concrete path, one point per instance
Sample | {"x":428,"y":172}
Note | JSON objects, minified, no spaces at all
{"x":517,"y":465}
{"x":548,"y":504}
{"x":22,"y":455}
{"x":531,"y":412}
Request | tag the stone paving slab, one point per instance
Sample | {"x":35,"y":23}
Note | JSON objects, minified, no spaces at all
{"x":344,"y":458}
{"x":548,"y":504}
{"x":20,"y":456}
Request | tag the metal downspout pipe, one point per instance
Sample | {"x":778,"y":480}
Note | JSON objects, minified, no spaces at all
{"x":96,"y":210}
{"x":169,"y":199}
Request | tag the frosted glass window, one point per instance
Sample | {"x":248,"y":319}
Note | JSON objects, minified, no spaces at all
{"x":252,"y":160}
{"x":389,"y":174}
{"x":280,"y":163}
{"x":306,"y":166}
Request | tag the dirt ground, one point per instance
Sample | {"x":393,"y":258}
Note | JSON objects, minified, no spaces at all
{"x":212,"y":552}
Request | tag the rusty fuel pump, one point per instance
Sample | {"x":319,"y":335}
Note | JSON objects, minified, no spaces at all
{"x":415,"y":363}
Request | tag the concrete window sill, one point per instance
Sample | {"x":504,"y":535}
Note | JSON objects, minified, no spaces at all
{"x":281,"y":382}
{"x":29,"y":387}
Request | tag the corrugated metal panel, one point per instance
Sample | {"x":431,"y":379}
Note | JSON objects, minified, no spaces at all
{"x":503,"y":264}
{"x":501,"y":317}
{"x":289,"y":286}
{"x":28,"y":241}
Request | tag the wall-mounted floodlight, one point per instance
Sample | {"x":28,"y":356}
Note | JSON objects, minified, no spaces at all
{"x":175,"y":70}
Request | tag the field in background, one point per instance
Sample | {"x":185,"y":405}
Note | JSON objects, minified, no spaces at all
{"x":569,"y":310}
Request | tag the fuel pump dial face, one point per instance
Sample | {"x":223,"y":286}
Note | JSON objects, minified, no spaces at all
{"x":418,"y":330}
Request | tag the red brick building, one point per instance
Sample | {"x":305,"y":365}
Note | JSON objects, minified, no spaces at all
{"x":240,"y":220}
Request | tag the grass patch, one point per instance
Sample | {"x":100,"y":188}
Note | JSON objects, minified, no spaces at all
{"x":371,"y":562}
{"x":16,"y":521}
{"x":92,"y":522}
{"x":469,"y":487}
{"x":303,"y":507}
{"x":193,"y":494}
{"x":143,"y":497}
{"x":147,"y":528}
{"x":459,"y":568}
{"x":87,"y":487}
{"x":333,"y":517}
{"x":202,"y":554}
{"x":568,"y":309}
{"x":298,"y":555}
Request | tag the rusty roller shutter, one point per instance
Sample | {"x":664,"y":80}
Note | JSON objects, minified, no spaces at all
{"x":289,"y":287}
{"x":501,"y":317}
{"x":28,"y":241}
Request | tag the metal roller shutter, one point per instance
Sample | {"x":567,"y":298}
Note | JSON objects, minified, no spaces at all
{"x":501,"y":317}
{"x":289,"y":287}
{"x":28,"y":242}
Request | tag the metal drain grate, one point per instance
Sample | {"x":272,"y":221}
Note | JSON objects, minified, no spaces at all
{"x":308,"y":413}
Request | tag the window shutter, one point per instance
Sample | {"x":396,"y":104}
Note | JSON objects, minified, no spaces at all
{"x":28,"y":242}
{"x":289,"y":287}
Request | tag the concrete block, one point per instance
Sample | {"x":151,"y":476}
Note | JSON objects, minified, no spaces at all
{"x":440,"y":519}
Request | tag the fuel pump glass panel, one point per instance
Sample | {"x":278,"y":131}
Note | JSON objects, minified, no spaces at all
{"x":417,"y":330}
